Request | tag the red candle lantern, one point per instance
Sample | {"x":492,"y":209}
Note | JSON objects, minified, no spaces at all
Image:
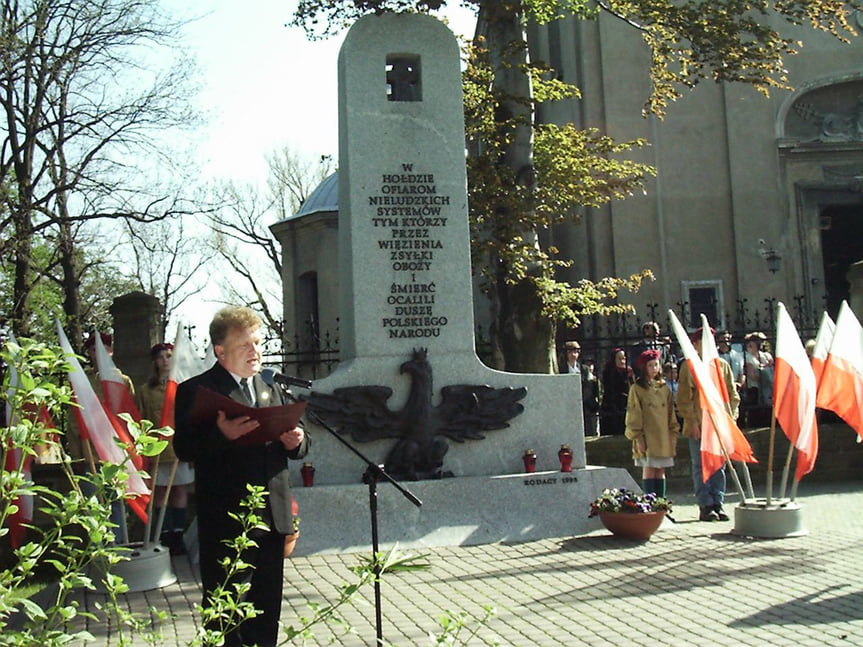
{"x":565,"y":456}
{"x":529,"y":459}
{"x":307,"y":471}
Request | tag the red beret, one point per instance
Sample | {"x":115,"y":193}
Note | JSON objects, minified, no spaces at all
{"x":158,"y":348}
{"x":646,"y":356}
{"x":107,"y":339}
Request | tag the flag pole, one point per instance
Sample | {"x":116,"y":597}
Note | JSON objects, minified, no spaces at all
{"x":786,"y":470}
{"x":164,"y":509}
{"x":149,"y":525}
{"x":748,"y":478}
{"x":770,"y":456}
{"x":734,"y":475}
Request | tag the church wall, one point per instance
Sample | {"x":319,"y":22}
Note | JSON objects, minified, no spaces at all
{"x":307,"y":246}
{"x":722,"y":184}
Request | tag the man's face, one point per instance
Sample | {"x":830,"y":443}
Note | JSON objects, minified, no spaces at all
{"x":572,"y":355}
{"x":240,"y":353}
{"x":724,"y":341}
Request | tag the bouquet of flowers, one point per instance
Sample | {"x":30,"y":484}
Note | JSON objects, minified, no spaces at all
{"x":623,"y":500}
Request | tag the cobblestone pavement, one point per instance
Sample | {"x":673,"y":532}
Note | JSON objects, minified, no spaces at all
{"x":691,"y":584}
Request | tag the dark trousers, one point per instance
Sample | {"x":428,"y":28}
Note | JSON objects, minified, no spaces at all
{"x":266,"y":584}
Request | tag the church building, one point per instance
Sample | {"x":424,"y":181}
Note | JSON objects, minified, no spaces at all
{"x":756,"y":199}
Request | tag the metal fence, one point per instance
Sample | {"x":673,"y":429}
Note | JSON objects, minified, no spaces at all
{"x":599,"y":336}
{"x":312,"y":355}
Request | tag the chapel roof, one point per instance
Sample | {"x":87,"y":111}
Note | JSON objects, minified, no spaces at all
{"x":324,"y":198}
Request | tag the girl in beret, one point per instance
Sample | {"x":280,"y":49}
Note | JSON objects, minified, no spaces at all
{"x":651,"y":423}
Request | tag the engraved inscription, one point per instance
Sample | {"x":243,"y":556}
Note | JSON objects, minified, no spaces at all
{"x":410,"y":214}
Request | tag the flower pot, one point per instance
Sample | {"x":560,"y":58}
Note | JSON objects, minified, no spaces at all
{"x":291,"y":543}
{"x":638,"y":526}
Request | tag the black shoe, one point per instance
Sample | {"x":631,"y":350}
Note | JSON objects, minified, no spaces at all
{"x":708,"y":514}
{"x":720,"y":513}
{"x":175,"y":543}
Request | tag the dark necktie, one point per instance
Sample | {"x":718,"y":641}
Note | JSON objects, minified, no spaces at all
{"x":247,"y":393}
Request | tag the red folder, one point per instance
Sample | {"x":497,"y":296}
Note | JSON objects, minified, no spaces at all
{"x":274,"y":421}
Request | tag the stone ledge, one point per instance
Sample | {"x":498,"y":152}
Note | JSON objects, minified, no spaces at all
{"x":460,"y":511}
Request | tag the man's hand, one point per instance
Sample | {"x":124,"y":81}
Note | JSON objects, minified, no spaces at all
{"x":233,"y":428}
{"x":291,"y":439}
{"x":695,"y":432}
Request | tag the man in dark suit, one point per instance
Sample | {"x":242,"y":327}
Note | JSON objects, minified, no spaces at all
{"x":224,"y":467}
{"x":589,"y":386}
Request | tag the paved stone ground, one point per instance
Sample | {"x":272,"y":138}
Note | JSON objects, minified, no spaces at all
{"x":691,"y":584}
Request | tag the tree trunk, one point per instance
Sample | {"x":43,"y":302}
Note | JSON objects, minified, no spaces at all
{"x":71,"y":284}
{"x":520,"y":334}
{"x":23,"y":276}
{"x":526,"y":339}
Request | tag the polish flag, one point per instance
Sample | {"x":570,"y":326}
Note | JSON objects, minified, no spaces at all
{"x":714,"y":408}
{"x":841,"y":386}
{"x":794,"y":393}
{"x":117,"y":398}
{"x":822,"y":345}
{"x":733,"y":440}
{"x":184,"y":365}
{"x":95,"y":425}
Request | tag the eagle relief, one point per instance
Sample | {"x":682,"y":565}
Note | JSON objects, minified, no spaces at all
{"x":420,"y":429}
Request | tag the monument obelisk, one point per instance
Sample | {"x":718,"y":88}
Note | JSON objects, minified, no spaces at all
{"x":405,"y":284}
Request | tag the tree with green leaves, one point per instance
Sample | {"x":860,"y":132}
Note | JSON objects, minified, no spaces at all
{"x":525,"y":177}
{"x":84,"y":100}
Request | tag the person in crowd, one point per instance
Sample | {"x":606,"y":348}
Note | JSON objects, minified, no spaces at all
{"x":669,"y":373}
{"x":590,"y":397}
{"x":651,"y":340}
{"x":616,"y":379}
{"x":709,"y":494}
{"x":758,"y":367}
{"x":733,"y":356}
{"x":225,"y":467}
{"x":651,"y":423}
{"x":589,"y":386}
{"x":151,"y":399}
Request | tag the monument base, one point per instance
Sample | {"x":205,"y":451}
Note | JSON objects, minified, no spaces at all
{"x":144,"y":569}
{"x":782,"y":518}
{"x":460,"y":511}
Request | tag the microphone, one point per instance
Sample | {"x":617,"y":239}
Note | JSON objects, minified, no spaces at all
{"x":271,"y":376}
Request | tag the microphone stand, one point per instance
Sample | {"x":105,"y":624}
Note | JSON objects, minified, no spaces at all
{"x":372,"y":475}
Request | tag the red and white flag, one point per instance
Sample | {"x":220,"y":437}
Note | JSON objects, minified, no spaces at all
{"x":794,"y":393}
{"x":841,"y":386}
{"x":95,"y":424}
{"x":184,"y":364}
{"x":117,"y":398}
{"x":822,"y":345}
{"x":713,"y":404}
{"x":729,"y":435}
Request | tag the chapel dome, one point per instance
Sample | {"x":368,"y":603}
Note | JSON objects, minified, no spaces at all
{"x":324,"y":198}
